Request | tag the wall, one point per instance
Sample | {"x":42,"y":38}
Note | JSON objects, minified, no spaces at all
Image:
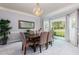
{"x":14,"y":17}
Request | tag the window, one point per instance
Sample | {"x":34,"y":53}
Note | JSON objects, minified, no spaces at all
{"x":58,"y":26}
{"x":46,"y":25}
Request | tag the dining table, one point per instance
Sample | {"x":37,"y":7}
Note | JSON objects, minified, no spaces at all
{"x":33,"y":38}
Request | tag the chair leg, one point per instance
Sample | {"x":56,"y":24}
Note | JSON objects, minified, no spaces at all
{"x":22,"y":47}
{"x":46,"y":46}
{"x":51,"y":43}
{"x":24,"y":50}
{"x":34,"y":48}
{"x":40,"y":48}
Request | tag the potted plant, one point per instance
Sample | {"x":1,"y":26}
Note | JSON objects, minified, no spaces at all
{"x":4,"y":31}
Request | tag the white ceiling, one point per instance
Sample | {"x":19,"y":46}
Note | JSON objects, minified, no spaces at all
{"x":28,"y":7}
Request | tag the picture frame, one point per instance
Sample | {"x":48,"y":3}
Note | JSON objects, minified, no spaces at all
{"x":26,"y":24}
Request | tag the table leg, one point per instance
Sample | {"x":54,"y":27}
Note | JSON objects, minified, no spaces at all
{"x":34,"y":48}
{"x":24,"y":50}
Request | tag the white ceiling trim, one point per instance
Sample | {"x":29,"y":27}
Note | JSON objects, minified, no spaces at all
{"x":15,"y":11}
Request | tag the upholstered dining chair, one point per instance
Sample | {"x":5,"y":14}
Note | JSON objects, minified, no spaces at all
{"x":50,"y":38}
{"x":43,"y":40}
{"x":22,"y":38}
{"x":25,"y":42}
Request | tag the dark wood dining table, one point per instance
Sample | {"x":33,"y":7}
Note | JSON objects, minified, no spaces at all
{"x":34,"y":38}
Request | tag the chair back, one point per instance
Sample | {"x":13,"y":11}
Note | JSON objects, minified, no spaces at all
{"x":22,"y":36}
{"x":50,"y":37}
{"x":43,"y":37}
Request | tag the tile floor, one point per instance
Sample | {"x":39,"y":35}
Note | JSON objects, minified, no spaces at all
{"x":60,"y":47}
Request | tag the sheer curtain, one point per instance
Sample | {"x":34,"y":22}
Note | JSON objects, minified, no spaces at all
{"x":73,"y":28}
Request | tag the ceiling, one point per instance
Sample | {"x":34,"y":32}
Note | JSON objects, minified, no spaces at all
{"x":28,"y":7}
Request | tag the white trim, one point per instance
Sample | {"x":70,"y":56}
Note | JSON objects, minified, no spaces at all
{"x":15,"y":11}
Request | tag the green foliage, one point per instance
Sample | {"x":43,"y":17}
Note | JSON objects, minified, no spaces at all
{"x":59,"y":33}
{"x":58,"y":25}
{"x":58,"y":28}
{"x":4,"y":27}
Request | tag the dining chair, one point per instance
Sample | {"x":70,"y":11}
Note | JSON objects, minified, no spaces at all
{"x":50,"y":38}
{"x":43,"y":40}
{"x":25,"y":42}
{"x":22,"y":38}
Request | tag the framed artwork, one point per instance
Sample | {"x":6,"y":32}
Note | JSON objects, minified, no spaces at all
{"x":26,"y":24}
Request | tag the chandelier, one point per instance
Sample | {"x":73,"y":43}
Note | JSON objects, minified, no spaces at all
{"x":37,"y":10}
